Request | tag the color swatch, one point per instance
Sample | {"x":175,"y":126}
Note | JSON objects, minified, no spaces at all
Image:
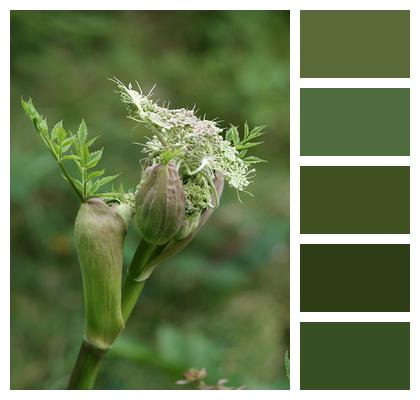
{"x":355,"y":355}
{"x":355,"y":277}
{"x":363,"y":120}
{"x":355,"y":44}
{"x":355,"y":122}
{"x":355,"y":199}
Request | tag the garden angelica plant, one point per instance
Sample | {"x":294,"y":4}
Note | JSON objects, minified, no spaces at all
{"x":184,"y":166}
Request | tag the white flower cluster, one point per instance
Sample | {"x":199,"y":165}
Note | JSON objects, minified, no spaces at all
{"x":195,"y":144}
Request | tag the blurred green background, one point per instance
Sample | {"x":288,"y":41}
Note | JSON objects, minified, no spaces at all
{"x":223,"y":303}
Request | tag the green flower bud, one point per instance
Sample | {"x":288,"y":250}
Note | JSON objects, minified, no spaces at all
{"x":190,"y":224}
{"x":160,"y":204}
{"x":99,"y":237}
{"x":179,"y":244}
{"x":125,"y":212}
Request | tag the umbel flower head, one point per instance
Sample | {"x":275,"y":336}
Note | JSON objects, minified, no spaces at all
{"x":197,"y":150}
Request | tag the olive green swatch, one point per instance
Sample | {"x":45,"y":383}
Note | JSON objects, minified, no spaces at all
{"x":355,"y":278}
{"x":355,"y":199}
{"x":355,"y":44}
{"x":355,"y":355}
{"x":355,"y":122}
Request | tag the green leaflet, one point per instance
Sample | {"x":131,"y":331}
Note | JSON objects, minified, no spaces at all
{"x":65,"y":147}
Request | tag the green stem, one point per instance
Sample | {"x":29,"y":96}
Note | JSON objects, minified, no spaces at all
{"x":131,"y":293}
{"x":70,"y":181}
{"x":86,"y":368}
{"x":132,"y":288}
{"x":87,"y":364}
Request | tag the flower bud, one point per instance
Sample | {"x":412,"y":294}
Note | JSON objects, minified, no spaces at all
{"x":178,"y":245}
{"x":160,"y":204}
{"x":99,"y":238}
{"x":190,"y":224}
{"x":125,"y":212}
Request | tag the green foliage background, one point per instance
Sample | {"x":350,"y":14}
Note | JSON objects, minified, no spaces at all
{"x":223,"y":303}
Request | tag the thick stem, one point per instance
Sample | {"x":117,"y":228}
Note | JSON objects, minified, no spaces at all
{"x":131,"y":293}
{"x":86,"y":368}
{"x":132,"y":288}
{"x":87,"y":365}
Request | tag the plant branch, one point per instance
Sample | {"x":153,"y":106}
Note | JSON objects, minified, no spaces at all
{"x":70,"y":181}
{"x":86,"y":368}
{"x":132,"y":287}
{"x":88,"y":361}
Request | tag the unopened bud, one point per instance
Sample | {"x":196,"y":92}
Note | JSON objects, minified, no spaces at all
{"x":160,"y":204}
{"x":190,"y":225}
{"x":180,"y":244}
{"x":99,"y":237}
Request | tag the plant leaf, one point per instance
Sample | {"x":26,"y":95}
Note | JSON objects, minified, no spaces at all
{"x":107,"y":179}
{"x":247,"y":145}
{"x":95,"y":174}
{"x":82,"y":132}
{"x":253,"y":160}
{"x":91,"y":141}
{"x":64,"y":145}
{"x":94,"y":158}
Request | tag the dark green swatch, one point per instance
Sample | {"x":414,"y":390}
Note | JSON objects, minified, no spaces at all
{"x":355,"y":355}
{"x":355,"y":122}
{"x":355,"y":44}
{"x":355,"y":199}
{"x":355,"y":278}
